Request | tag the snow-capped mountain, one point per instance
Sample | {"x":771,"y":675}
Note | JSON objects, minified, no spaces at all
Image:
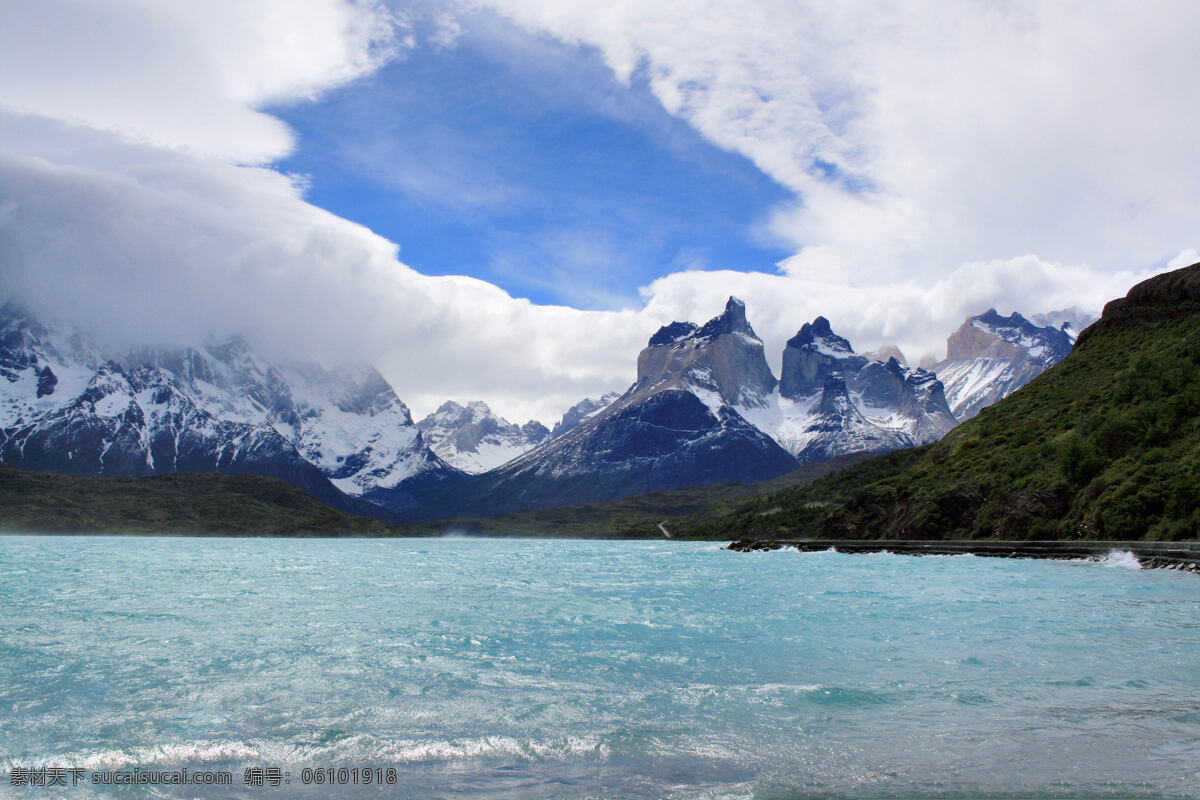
{"x":581,"y":411}
{"x":474,"y":439}
{"x":339,"y":434}
{"x":345,"y":421}
{"x":831,"y":401}
{"x":705,"y":408}
{"x":990,"y":356}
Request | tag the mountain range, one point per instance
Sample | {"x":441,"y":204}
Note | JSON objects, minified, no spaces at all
{"x":1104,"y":446}
{"x":705,"y":407}
{"x":342,"y":435}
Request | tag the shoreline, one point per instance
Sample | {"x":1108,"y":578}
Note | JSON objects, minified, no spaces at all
{"x":1181,"y":556}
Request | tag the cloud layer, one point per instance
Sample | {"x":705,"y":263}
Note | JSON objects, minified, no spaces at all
{"x":189,"y":76}
{"x":945,"y":159}
{"x":920,"y":135}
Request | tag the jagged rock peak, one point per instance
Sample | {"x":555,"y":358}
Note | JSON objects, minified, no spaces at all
{"x":535,"y":432}
{"x":993,"y":317}
{"x":990,"y":356}
{"x":819,"y":335}
{"x":731,"y":320}
{"x":724,"y":357}
{"x":673,"y":333}
{"x":450,"y":407}
{"x":813,"y":353}
{"x":474,"y":438}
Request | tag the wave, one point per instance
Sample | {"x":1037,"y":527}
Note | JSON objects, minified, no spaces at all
{"x":359,"y":749}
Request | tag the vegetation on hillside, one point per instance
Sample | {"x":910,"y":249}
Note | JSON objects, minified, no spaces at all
{"x":190,"y":503}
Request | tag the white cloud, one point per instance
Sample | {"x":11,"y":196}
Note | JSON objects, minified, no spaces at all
{"x":980,"y":134}
{"x":173,"y":248}
{"x":187,"y":75}
{"x":956,"y":132}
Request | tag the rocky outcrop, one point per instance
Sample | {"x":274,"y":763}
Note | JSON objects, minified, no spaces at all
{"x":1163,"y":298}
{"x":814,"y":353}
{"x":990,"y":356}
{"x":832,"y":401}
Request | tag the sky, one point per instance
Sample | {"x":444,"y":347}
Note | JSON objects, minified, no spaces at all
{"x":503,"y":199}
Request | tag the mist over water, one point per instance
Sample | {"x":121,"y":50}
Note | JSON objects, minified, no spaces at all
{"x":559,"y":669}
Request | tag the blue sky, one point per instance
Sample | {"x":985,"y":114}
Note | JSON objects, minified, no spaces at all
{"x":522,"y":161}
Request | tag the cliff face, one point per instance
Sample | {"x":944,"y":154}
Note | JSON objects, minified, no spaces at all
{"x":724,"y":356}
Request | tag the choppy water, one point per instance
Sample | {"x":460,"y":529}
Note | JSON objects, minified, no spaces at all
{"x":558,"y":669}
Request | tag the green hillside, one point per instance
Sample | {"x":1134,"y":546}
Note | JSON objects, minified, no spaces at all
{"x":193,"y":502}
{"x":1105,"y":445}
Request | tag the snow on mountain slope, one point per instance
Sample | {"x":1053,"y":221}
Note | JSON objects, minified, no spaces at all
{"x":474,"y":439}
{"x":831,"y":401}
{"x":990,"y":356}
{"x":346,"y":421}
{"x":217,"y":406}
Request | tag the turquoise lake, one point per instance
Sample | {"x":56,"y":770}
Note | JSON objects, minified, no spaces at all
{"x":483,"y":668}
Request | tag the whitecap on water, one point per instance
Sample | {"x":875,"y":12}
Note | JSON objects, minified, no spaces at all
{"x":1121,"y":558}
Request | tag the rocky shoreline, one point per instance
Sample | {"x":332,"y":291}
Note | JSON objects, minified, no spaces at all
{"x":1182,"y":556}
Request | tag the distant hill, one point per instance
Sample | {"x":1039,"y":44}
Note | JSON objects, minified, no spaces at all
{"x":186,"y":502}
{"x":634,"y":517}
{"x":1104,"y":445}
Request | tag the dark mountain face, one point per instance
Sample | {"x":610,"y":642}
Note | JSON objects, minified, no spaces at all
{"x":661,"y":440}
